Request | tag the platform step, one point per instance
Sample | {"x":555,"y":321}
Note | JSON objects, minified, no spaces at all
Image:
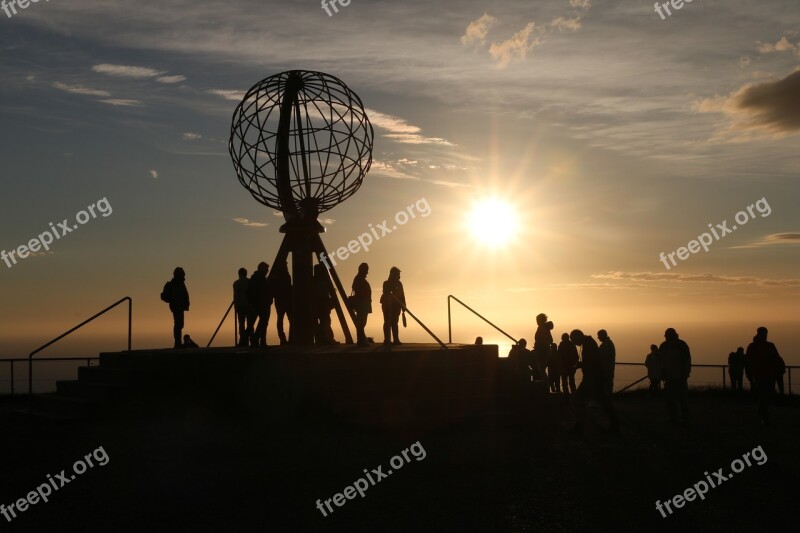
{"x":112,"y":375}
{"x":90,"y":390}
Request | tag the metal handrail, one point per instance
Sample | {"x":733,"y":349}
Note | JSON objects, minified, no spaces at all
{"x":107,"y":309}
{"x":220,"y":325}
{"x":11,"y":362}
{"x":631,"y":385}
{"x":407,"y":310}
{"x":449,"y":324}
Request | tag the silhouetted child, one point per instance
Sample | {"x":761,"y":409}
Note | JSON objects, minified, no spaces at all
{"x":654,"y":369}
{"x":188,"y":342}
{"x":521,"y":359}
{"x":479,"y":341}
{"x":736,"y":370}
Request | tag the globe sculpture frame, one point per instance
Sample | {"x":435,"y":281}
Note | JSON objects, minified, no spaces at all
{"x":301,"y":142}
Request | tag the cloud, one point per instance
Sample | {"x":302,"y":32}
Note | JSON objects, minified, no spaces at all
{"x":122,"y":102}
{"x":771,"y":108}
{"x":477,"y":30}
{"x":125,"y":71}
{"x":582,"y":4}
{"x":783,"y":45}
{"x":189,"y":136}
{"x":228,"y":94}
{"x":79,"y":89}
{"x":774,"y":239}
{"x":388,"y":170}
{"x":697,"y":278}
{"x":154,"y":174}
{"x":401,"y":131}
{"x":250,"y":223}
{"x":561,"y":23}
{"x":170,"y":79}
{"x":516,"y":48}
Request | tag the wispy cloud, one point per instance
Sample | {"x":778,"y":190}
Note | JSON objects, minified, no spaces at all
{"x":775,"y":239}
{"x":154,"y":174}
{"x":516,"y":48}
{"x":697,"y":278}
{"x":122,"y":102}
{"x":228,"y":94}
{"x":191,"y":136}
{"x":170,"y":79}
{"x":126,"y":71}
{"x":783,"y":45}
{"x":401,"y":131}
{"x":80,"y":89}
{"x":477,"y":30}
{"x":250,"y":223}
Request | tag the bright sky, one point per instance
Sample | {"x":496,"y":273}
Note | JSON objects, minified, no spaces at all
{"x":607,"y":134}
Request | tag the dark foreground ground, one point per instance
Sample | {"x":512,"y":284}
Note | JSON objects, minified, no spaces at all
{"x":195,"y":468}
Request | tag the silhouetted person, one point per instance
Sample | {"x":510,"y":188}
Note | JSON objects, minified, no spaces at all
{"x":764,"y":362}
{"x":281,"y":285}
{"x":748,"y":373}
{"x":479,"y":341}
{"x":654,"y":369}
{"x":609,"y":354}
{"x":176,"y":294}
{"x":391,"y":308}
{"x":521,"y":358}
{"x":554,"y":369}
{"x":240,"y":306}
{"x":188,"y":342}
{"x":568,"y":354}
{"x":323,"y":305}
{"x":361,"y":303}
{"x":594,"y":383}
{"x":676,"y":360}
{"x":736,"y":371}
{"x":541,"y":345}
{"x":781,"y":372}
{"x":260,"y":300}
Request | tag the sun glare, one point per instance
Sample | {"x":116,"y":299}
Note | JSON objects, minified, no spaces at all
{"x":493,"y":222}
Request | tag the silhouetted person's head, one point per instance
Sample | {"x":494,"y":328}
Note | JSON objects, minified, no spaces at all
{"x":242,"y":272}
{"x":577,"y":336}
{"x":541,"y":318}
{"x":565,"y":337}
{"x":478,"y":340}
{"x":522,"y":343}
{"x":178,"y":273}
{"x":761,"y":333}
{"x":653,"y":348}
{"x":363,"y":269}
{"x":670,"y":334}
{"x":740,"y":350}
{"x":602,"y":335}
{"x":394,"y":273}
{"x":186,"y":338}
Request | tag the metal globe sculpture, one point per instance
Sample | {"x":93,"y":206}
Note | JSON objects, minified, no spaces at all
{"x":328,"y":141}
{"x":301,"y":142}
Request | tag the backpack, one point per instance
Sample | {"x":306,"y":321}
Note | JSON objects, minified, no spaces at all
{"x":166,"y":295}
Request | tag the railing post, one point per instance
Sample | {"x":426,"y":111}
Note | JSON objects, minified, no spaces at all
{"x":130,"y":321}
{"x":723,"y":378}
{"x":12,"y":379}
{"x":790,"y":381}
{"x":449,"y":324}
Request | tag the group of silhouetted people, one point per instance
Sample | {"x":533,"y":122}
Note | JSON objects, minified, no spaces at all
{"x":253,"y":298}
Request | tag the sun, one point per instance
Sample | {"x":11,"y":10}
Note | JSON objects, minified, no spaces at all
{"x":493,"y":222}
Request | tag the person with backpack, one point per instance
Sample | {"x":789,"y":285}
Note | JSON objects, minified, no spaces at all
{"x":177,"y":296}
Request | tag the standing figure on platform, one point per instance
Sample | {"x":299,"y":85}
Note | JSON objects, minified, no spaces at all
{"x":568,"y":354}
{"x":392,"y":292}
{"x":541,"y":345}
{"x":240,"y":306}
{"x":609,"y":354}
{"x":736,"y":371}
{"x":260,"y":300}
{"x":654,"y":367}
{"x":177,"y":296}
{"x":764,"y":361}
{"x":554,"y":369}
{"x":281,"y":284}
{"x":361,"y":303}
{"x":676,"y":360}
{"x":323,"y":305}
{"x":594,"y":383}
